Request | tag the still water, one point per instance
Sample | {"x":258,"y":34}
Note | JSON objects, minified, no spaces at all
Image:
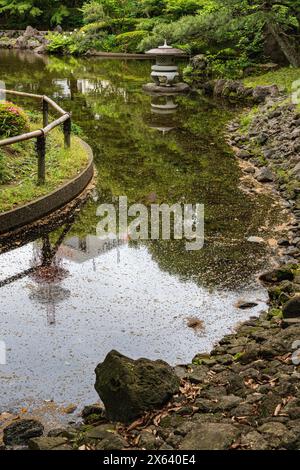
{"x":58,"y":322}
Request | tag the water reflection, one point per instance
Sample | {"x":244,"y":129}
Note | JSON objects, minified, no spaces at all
{"x":47,"y":276}
{"x":134,"y":297}
{"x":163,"y":113}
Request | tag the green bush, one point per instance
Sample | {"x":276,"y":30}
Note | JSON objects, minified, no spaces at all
{"x":76,"y":42}
{"x":128,"y":42}
{"x":93,"y":28}
{"x":58,"y":43}
{"x":93,"y":11}
{"x":182,"y":31}
{"x":147,"y":24}
{"x":13,"y":120}
{"x":225,"y":65}
{"x":111,"y":25}
{"x":107,"y":44}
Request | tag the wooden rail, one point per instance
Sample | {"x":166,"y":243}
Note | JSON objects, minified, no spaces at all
{"x":40,"y":134}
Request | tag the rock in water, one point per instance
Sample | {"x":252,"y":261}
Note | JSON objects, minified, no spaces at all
{"x":245,"y":304}
{"x":21,"y":431}
{"x":292,"y":308}
{"x":128,"y":388}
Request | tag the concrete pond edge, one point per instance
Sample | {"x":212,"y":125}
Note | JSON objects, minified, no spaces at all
{"x":45,"y":205}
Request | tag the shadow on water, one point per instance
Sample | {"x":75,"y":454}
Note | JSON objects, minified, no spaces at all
{"x":68,"y":297}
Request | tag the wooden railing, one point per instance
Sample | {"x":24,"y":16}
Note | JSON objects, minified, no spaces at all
{"x":40,"y":134}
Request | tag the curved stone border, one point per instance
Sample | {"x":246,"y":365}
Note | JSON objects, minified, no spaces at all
{"x":44,"y":205}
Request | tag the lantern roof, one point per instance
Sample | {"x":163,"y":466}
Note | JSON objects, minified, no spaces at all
{"x":165,"y":50}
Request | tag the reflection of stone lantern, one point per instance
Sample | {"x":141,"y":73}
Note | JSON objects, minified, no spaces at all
{"x":164,"y":104}
{"x":47,"y":275}
{"x":163,"y":112}
{"x":165,"y":72}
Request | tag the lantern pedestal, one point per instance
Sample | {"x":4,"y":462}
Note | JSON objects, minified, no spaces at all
{"x":163,"y":90}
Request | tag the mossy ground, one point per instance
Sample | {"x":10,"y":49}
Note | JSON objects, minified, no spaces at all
{"x":283,"y":78}
{"x":20,"y":163}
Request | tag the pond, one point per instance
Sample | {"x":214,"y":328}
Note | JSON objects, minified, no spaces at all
{"x":59,"y":322}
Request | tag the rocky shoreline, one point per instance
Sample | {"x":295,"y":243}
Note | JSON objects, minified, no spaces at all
{"x":31,"y":39}
{"x":245,"y":394}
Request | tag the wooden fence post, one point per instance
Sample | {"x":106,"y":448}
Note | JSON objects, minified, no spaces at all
{"x":41,"y":155}
{"x":67,"y":132}
{"x":45,"y":113}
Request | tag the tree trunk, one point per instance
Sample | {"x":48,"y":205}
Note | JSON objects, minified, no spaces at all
{"x":287,"y":44}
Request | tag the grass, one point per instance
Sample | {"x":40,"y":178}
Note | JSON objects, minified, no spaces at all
{"x":246,"y":119}
{"x":283,"y":78}
{"x":18,"y":169}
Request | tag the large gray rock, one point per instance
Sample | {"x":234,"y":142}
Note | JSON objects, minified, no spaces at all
{"x":58,"y":29}
{"x":30,"y":32}
{"x":33,"y":44}
{"x":199,"y":62}
{"x":41,"y":49}
{"x":296,"y":172}
{"x":21,"y":431}
{"x":48,"y":443}
{"x":210,"y":436}
{"x":292,"y":308}
{"x":21,"y":43}
{"x":219,"y":86}
{"x":260,"y":93}
{"x":265,"y":175}
{"x":128,"y":388}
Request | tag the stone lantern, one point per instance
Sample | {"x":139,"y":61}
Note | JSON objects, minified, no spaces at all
{"x":165,"y":73}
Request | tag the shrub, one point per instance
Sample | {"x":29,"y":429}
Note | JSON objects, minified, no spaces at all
{"x":107,"y":44}
{"x":111,"y":25}
{"x":76,"y":43}
{"x":128,"y":42}
{"x":58,"y":43}
{"x":94,"y":27}
{"x":177,"y":32}
{"x":92,"y":11}
{"x":13,"y":120}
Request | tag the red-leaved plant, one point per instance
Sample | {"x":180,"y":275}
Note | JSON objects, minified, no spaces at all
{"x":13,"y":120}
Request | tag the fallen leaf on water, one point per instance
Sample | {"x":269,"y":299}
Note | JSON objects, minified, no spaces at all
{"x":195,"y":323}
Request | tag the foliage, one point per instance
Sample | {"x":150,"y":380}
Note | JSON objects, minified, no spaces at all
{"x":93,"y":12}
{"x":128,"y":42}
{"x":40,"y":12}
{"x":58,"y":43}
{"x":197,"y":26}
{"x":13,"y":120}
{"x":284,"y":78}
{"x":19,"y":165}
